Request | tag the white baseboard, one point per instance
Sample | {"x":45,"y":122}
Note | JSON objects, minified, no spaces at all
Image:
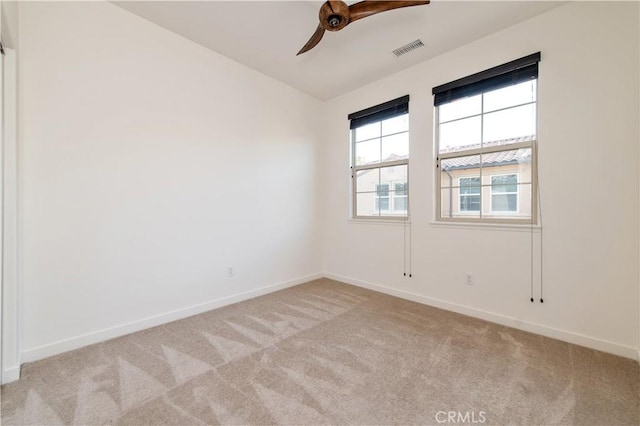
{"x":76,"y":342}
{"x":566,"y":336}
{"x":10,"y":375}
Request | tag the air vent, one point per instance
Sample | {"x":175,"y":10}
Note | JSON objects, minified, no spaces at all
{"x":408,"y":48}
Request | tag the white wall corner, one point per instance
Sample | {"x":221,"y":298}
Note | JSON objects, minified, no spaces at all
{"x":10,"y":374}
{"x":11,"y":301}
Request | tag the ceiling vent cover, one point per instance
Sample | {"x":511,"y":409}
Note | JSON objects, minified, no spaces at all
{"x":408,"y":48}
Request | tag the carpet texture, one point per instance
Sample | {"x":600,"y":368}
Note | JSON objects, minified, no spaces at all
{"x":327,"y":353}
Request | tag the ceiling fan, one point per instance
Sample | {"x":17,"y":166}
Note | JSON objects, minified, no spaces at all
{"x":335,"y":15}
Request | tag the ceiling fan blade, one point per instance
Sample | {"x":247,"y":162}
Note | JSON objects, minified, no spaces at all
{"x":313,"y":41}
{"x":367,"y":8}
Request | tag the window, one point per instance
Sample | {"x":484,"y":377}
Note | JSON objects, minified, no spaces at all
{"x":380,"y":160}
{"x":470,"y":194}
{"x":400,"y":197}
{"x":384,"y":203}
{"x":504,"y":193}
{"x":382,"y":197}
{"x":486,"y":134}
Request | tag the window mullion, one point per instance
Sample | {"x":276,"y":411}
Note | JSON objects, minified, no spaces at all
{"x":380,"y":139}
{"x":486,"y":150}
{"x":402,"y":162}
{"x":380,"y":169}
{"x":488,"y":112}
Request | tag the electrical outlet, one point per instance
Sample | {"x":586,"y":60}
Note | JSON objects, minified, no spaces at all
{"x":230,"y":271}
{"x":468,"y":279}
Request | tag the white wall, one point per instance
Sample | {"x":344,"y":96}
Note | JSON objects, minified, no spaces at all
{"x":10,"y":290}
{"x":150,"y":164}
{"x":588,"y":161}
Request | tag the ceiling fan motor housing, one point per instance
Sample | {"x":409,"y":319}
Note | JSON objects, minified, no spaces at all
{"x":334,"y":15}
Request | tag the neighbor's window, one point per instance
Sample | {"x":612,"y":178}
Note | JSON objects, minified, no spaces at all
{"x":400,"y":197}
{"x":504,"y":193}
{"x":382,"y":198}
{"x":470,"y":194}
{"x":485,"y":143}
{"x":380,"y":160}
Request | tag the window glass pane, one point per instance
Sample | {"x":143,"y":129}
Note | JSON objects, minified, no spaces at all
{"x":367,"y":132}
{"x":395,"y":125}
{"x":460,"y":108}
{"x":469,"y":203}
{"x":367,"y":180}
{"x":505,"y":183}
{"x":504,"y":202}
{"x":504,"y":194}
{"x":459,"y":135}
{"x":445,"y":203}
{"x":508,"y":125}
{"x":400,"y":204}
{"x":469,"y":194}
{"x":451,"y":203}
{"x":524,"y":201}
{"x":382,"y":190}
{"x":382,"y":205}
{"x":509,"y":96}
{"x":515,"y":162}
{"x":366,"y":204}
{"x":393,"y":174}
{"x":367,"y":152}
{"x":460,"y":186}
{"x":395,"y":147}
{"x":516,"y":205}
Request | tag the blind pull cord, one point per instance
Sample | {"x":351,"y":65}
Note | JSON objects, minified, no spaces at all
{"x":409,"y":223}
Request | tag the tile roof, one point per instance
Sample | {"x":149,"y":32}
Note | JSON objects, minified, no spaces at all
{"x":522,"y":155}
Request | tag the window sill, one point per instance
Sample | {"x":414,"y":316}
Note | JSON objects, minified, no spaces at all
{"x":489,"y":226}
{"x":390,"y":221}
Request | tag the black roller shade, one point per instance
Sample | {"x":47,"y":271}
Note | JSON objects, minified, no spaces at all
{"x":380,"y":112}
{"x":504,"y":75}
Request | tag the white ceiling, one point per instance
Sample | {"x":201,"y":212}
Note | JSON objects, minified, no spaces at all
{"x":266,"y":35}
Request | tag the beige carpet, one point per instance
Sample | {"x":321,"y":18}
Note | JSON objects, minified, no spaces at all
{"x":327,"y":353}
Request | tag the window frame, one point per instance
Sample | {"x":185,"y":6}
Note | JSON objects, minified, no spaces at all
{"x":390,"y":214}
{"x":505,"y":219}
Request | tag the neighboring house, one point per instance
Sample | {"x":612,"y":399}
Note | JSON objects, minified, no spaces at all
{"x":384,"y":190}
{"x":504,"y":180}
{"x":499,"y":184}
